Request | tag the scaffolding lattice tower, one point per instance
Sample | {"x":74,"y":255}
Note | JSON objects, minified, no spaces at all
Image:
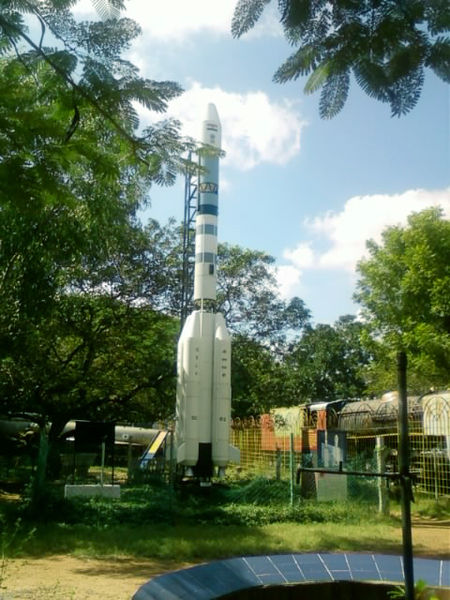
{"x":190,"y":210}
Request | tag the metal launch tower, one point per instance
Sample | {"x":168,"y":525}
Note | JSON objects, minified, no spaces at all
{"x":203,"y":406}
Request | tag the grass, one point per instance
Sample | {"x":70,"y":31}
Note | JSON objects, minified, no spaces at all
{"x":207,"y":542}
{"x":194,"y":524}
{"x":434,"y":509}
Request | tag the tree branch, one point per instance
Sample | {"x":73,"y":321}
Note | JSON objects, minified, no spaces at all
{"x":131,"y":139}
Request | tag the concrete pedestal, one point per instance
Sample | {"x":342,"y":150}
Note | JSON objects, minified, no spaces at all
{"x":89,"y":491}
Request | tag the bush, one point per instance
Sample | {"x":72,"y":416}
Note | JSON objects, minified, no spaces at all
{"x":251,"y":503}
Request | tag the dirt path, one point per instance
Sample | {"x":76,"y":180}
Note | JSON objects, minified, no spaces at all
{"x":65,"y":577}
{"x":71,"y":578}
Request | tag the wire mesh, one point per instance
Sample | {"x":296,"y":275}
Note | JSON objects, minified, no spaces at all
{"x":265,"y":443}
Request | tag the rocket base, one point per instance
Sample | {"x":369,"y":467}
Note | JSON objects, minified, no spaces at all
{"x":204,"y":396}
{"x":204,"y":467}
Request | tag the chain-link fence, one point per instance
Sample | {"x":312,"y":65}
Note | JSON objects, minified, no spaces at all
{"x":356,"y":436}
{"x":275,"y":449}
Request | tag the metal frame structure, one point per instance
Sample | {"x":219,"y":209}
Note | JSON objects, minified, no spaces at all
{"x":190,"y":211}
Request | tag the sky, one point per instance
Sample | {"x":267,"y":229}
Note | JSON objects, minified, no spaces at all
{"x":307,"y":191}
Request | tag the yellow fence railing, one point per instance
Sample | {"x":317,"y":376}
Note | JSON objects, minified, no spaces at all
{"x":266,"y":453}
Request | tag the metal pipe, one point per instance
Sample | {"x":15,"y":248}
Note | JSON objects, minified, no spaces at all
{"x":340,"y":471}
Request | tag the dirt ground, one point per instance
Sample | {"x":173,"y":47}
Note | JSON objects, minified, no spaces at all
{"x":71,"y":578}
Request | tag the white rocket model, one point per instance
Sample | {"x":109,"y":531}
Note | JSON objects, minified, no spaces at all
{"x":203,"y":409}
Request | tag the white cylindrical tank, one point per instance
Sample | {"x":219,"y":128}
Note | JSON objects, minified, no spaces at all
{"x":221,"y":403}
{"x":188,"y":388}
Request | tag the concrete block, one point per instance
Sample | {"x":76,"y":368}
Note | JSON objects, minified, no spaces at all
{"x":89,"y":491}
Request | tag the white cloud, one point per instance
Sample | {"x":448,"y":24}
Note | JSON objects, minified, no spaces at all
{"x":288,"y":279}
{"x":362,"y":218}
{"x":289,"y":276}
{"x":255,"y":129}
{"x":365,"y":217}
{"x":173,"y":21}
{"x":301,"y":256}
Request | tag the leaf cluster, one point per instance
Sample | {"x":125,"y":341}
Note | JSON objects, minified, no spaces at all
{"x":80,"y":333}
{"x":87,"y":59}
{"x":328,"y":362}
{"x":385,"y":44}
{"x":403,"y":291}
{"x":249,"y":300}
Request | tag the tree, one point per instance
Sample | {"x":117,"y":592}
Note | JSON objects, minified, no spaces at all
{"x":101,"y":344}
{"x":386,"y":44}
{"x":247,"y":293}
{"x":326,"y":363}
{"x":96,"y":357}
{"x":73,"y":173}
{"x":263,"y":326}
{"x":66,"y":206}
{"x":249,"y":300}
{"x":87,"y":62}
{"x":260,"y":378}
{"x":403,"y":289}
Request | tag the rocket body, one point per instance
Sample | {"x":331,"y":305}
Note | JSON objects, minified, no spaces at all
{"x":203,"y":407}
{"x":205,"y":279}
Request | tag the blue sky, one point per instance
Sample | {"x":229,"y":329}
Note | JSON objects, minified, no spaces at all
{"x":307,"y":191}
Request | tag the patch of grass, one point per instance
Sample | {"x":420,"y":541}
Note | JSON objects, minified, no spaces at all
{"x":435,"y":509}
{"x":254,"y":503}
{"x":193,"y":543}
{"x":192,"y":523}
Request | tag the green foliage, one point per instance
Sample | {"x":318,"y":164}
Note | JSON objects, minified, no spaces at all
{"x":95,"y":356}
{"x":402,"y":291}
{"x":362,"y":489}
{"x":421,"y":592}
{"x":79,"y":329}
{"x":326,"y":363}
{"x":259,"y":381}
{"x":246,"y":15}
{"x":386,"y":45}
{"x":248,"y":503}
{"x":249,"y":300}
{"x":434,"y":509}
{"x":192,"y":523}
{"x":103,"y":80}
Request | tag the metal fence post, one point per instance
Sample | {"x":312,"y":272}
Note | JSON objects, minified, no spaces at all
{"x":405,"y":478}
{"x":383,"y":496}
{"x":291,"y":468}
{"x":278,"y":464}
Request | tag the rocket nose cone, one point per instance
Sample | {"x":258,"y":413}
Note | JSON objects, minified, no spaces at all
{"x":212,"y":114}
{"x":211,"y":127}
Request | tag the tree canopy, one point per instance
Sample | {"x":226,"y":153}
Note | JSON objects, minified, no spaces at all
{"x":327,"y":362}
{"x":74,"y":309}
{"x":387,"y":45}
{"x":249,"y":300}
{"x":87,"y":64}
{"x":403,"y":289}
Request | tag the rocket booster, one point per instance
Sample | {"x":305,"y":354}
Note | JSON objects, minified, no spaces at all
{"x":203,"y":407}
